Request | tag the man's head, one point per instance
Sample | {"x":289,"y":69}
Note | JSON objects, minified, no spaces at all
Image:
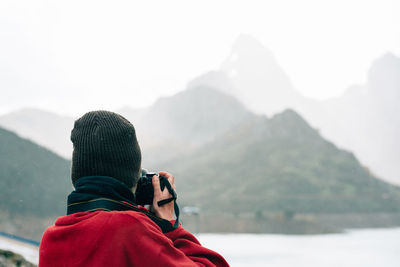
{"x":105,"y":144}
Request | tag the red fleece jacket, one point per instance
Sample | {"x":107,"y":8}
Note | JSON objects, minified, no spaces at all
{"x":120,"y":238}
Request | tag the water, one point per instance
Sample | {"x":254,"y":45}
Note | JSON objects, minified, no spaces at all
{"x":366,"y":248}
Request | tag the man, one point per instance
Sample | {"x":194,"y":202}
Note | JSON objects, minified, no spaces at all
{"x":104,"y":226}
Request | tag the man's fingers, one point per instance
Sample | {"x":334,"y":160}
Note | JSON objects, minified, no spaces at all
{"x":169,"y":176}
{"x":156,"y":186}
{"x":165,"y":211}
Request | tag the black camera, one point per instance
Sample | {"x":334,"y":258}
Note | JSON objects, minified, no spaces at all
{"x":144,"y":190}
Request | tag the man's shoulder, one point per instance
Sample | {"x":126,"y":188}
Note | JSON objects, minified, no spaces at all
{"x":107,"y":221}
{"x":128,"y":218}
{"x":122,"y":226}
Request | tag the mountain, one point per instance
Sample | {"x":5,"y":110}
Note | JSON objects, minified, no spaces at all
{"x":134,"y":114}
{"x":259,"y":81}
{"x":253,"y":75}
{"x":33,"y":180}
{"x":279,"y":165}
{"x":178,"y":124}
{"x":364,"y":120}
{"x":45,"y":128}
{"x":204,"y":131}
{"x":34,"y":184}
{"x":226,"y":160}
{"x":195,"y":115}
{"x":173,"y":125}
{"x":215,"y":79}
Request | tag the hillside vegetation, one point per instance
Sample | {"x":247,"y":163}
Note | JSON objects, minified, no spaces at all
{"x":279,"y":164}
{"x":33,"y":180}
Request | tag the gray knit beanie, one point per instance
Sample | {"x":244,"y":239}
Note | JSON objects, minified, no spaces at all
{"x":105,"y":144}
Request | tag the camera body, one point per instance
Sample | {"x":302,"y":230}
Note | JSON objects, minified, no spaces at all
{"x":144,"y":189}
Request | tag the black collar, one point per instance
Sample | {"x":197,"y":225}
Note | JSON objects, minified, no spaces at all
{"x":94,"y":193}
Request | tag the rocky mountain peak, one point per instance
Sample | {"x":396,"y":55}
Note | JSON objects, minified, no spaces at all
{"x":384,"y":77}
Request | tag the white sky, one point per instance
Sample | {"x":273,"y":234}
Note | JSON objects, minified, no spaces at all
{"x":73,"y":56}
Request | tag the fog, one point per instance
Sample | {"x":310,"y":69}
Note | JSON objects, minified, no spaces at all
{"x":66,"y":57}
{"x":277,"y":117}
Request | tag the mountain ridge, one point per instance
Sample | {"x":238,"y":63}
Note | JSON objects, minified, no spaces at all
{"x":43,"y":127}
{"x":363,"y":119}
{"x":277,"y":165}
{"x":282,"y":171}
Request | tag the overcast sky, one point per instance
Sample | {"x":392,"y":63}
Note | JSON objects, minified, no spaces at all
{"x":72,"y":56}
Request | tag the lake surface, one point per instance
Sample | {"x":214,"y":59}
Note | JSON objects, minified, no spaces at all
{"x":366,"y":248}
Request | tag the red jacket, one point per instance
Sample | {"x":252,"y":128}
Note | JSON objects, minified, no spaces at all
{"x":120,"y":238}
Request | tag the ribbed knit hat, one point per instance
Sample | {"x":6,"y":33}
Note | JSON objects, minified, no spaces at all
{"x":105,"y":144}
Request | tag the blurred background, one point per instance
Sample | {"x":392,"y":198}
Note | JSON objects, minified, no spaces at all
{"x":279,"y":119}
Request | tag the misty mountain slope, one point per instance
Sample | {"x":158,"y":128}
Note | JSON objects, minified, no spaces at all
{"x":215,"y":79}
{"x":196,"y":115}
{"x":259,"y":81}
{"x":132,"y":114}
{"x":180,"y":123}
{"x":172,"y":126}
{"x":279,"y":164}
{"x":366,"y":119}
{"x":33,"y":180}
{"x":45,"y":128}
{"x":269,"y":165}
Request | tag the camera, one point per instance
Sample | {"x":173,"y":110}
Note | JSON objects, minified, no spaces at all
{"x":144,"y":190}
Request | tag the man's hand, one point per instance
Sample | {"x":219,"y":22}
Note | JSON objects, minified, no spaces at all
{"x":165,"y":211}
